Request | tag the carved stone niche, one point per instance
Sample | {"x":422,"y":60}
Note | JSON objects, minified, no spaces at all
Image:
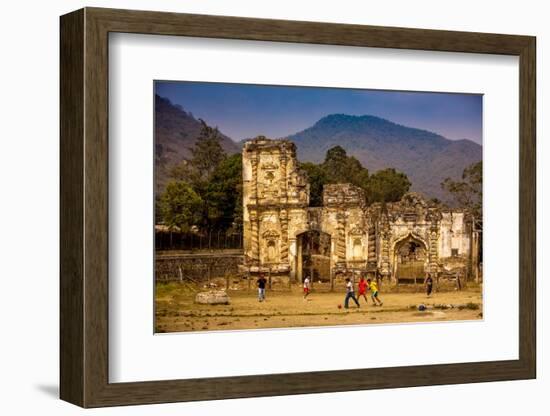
{"x":357,"y":232}
{"x":409,"y":216}
{"x":269,"y":176}
{"x":269,"y":166}
{"x":270,"y":235}
{"x":271,"y":239}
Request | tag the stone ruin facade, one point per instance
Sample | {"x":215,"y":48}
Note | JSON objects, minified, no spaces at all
{"x":398,"y":242}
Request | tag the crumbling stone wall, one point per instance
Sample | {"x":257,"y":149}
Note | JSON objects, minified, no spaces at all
{"x":275,"y":201}
{"x":363,"y":238}
{"x":197,"y":267}
{"x":343,"y":216}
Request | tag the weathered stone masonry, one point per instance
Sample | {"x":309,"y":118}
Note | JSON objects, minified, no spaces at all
{"x":397,"y":241}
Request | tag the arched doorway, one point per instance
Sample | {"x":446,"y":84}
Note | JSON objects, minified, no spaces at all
{"x":313,"y":257}
{"x":410,"y":256}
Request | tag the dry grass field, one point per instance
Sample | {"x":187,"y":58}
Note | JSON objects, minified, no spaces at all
{"x":176,"y":310}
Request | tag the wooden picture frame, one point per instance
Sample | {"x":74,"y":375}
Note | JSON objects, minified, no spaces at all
{"x":84,"y":207}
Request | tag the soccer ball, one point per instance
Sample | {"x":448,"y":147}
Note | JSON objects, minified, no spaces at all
{"x":339,"y":306}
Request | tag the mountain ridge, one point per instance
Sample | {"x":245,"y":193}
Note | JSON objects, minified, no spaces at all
{"x":427,"y":158}
{"x":176,"y":132}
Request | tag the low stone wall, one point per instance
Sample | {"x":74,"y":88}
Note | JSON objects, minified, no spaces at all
{"x":198,"y":267}
{"x":223,"y":269}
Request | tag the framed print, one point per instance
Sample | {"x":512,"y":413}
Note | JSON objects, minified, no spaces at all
{"x":256,"y":207}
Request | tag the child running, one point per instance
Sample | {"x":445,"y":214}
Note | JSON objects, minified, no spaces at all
{"x":363,"y":286}
{"x":373,"y":286}
{"x":350,"y":294}
{"x":306,"y":287}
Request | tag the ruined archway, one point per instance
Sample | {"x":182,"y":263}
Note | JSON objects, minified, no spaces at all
{"x":313,"y":256}
{"x":410,"y":256}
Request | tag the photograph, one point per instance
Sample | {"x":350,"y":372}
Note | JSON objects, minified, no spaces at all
{"x":292,"y":206}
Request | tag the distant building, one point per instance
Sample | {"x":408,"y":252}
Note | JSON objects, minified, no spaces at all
{"x":398,"y":242}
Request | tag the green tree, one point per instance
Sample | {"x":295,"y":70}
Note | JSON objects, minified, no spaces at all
{"x":214,"y":177}
{"x":180,"y":205}
{"x":223,"y":194}
{"x":387,"y":185}
{"x":317,"y":178}
{"x":341,"y":168}
{"x":207,"y":153}
{"x":335,"y":165}
{"x":182,"y":172}
{"x":468,"y":193}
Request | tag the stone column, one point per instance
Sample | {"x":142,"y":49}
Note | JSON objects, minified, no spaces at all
{"x":385,"y":255}
{"x":384,"y":232}
{"x":292,"y":244}
{"x":254,"y":236}
{"x":433,"y":242}
{"x":283,"y":218}
{"x":341,"y":241}
{"x":254,"y":181}
{"x":474,"y":255}
{"x":433,"y":250}
{"x":371,"y":246}
{"x":283,"y":159}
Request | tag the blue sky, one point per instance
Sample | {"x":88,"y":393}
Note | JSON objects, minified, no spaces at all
{"x":243,"y":111}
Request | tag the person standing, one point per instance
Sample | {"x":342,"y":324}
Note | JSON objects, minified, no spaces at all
{"x":261,"y":287}
{"x":307,"y":287}
{"x":373,"y":286}
{"x":350,"y":294}
{"x":429,"y":285}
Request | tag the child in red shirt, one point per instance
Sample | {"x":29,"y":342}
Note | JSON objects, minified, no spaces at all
{"x":363,"y":287}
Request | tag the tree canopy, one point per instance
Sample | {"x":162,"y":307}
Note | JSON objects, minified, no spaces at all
{"x":208,"y":152}
{"x":317,"y":179}
{"x":214,"y":178}
{"x":223,"y":193}
{"x":180,"y":205}
{"x":468,"y":193}
{"x":341,"y":168}
{"x":387,"y":185}
{"x":206,"y":188}
{"x":206,"y":155}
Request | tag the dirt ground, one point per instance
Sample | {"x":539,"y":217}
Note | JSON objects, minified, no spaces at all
{"x":176,"y":310}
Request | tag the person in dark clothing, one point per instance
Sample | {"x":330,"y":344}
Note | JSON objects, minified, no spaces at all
{"x":429,"y":285}
{"x":261,"y":282}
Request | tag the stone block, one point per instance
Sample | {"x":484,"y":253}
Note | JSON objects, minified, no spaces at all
{"x":212,"y":297}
